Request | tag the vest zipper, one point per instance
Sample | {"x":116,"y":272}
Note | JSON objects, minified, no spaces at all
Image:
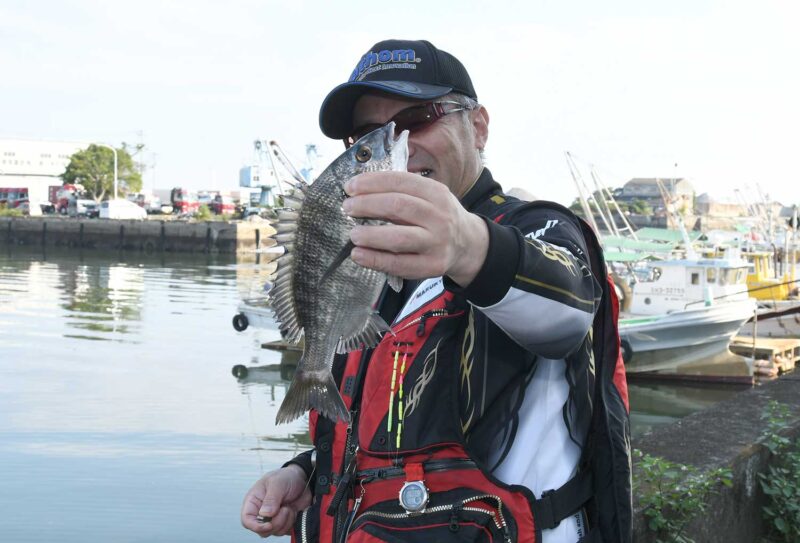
{"x":497,"y":517}
{"x":348,"y":469}
{"x":430,"y":466}
{"x":303,"y":527}
{"x":422,"y":319}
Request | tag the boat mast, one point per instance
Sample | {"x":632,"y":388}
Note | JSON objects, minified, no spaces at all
{"x":573,"y":170}
{"x":677,"y":218}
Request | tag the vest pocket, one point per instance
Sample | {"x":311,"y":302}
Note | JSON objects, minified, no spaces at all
{"x":462,"y":515}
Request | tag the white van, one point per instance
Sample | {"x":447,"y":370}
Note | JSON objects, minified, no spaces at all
{"x":121,"y":209}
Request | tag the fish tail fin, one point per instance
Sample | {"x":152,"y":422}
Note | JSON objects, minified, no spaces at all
{"x":312,"y":390}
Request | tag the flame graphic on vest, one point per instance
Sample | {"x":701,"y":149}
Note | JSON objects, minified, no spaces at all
{"x":428,"y":369}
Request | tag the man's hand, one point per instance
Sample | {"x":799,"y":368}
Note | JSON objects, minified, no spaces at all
{"x":431,"y":233}
{"x":278,"y":496}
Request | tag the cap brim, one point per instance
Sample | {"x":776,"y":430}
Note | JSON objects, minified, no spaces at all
{"x":336,"y":113}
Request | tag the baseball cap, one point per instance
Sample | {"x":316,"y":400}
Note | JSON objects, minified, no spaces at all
{"x":404,"y":68}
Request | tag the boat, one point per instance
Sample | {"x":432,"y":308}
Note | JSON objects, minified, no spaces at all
{"x":779,"y":306}
{"x":684,"y":313}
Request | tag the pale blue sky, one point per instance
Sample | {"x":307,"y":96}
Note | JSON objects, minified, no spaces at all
{"x":630,"y":86}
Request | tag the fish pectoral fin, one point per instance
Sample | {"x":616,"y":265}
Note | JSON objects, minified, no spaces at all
{"x":369,"y":335}
{"x":396,"y":283}
{"x":343,"y":255}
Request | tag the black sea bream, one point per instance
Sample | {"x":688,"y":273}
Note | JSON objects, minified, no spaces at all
{"x":319,"y":292}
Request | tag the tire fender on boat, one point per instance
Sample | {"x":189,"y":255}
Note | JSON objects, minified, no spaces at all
{"x":240,"y":322}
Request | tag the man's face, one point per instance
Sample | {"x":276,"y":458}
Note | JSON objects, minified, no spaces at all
{"x":446,"y":151}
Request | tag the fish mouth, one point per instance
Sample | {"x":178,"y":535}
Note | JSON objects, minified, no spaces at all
{"x":397,"y":148}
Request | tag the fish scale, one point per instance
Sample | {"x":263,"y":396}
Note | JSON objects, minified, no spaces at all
{"x":319,"y":293}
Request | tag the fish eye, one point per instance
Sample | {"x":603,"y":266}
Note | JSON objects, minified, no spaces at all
{"x":363,"y":154}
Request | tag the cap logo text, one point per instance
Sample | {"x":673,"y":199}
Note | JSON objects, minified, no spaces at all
{"x":385,"y":59}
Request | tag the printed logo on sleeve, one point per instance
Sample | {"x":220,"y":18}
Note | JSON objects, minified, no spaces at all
{"x":540,"y":232}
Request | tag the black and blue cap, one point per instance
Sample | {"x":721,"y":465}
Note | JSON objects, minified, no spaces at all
{"x":408,"y":69}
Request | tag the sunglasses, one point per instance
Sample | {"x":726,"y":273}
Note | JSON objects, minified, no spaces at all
{"x":413,"y":119}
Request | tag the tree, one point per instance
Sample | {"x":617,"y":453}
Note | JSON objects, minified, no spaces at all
{"x":93,"y":168}
{"x":640,"y":207}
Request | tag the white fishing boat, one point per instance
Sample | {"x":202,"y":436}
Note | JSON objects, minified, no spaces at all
{"x":684,"y":313}
{"x":778,"y":319}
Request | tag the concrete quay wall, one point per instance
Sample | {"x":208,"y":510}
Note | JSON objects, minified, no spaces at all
{"x":725,"y":435}
{"x":149,"y":236}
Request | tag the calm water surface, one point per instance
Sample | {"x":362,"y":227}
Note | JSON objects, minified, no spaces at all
{"x":120,"y":419}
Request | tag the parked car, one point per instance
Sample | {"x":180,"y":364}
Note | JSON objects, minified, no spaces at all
{"x":81,"y":207}
{"x":121,"y":209}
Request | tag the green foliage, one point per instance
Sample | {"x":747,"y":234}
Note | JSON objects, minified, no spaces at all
{"x":576,"y":207}
{"x":5,"y":211}
{"x":781,"y":482}
{"x":640,"y":207}
{"x":93,"y":168}
{"x":673,"y":494}
{"x":204,"y":213}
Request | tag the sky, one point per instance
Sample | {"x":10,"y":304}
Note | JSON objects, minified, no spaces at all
{"x":701,"y":89}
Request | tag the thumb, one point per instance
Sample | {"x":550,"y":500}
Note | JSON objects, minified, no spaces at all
{"x":274,"y":497}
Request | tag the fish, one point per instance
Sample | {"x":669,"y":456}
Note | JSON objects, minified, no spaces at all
{"x":319,"y":294}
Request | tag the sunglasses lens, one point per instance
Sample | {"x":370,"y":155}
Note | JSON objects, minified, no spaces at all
{"x":414,"y":118}
{"x":411,"y":119}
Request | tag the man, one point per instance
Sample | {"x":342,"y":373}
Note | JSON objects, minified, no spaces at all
{"x":491,"y":341}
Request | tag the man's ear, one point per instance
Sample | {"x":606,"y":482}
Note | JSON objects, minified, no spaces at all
{"x":480,"y":123}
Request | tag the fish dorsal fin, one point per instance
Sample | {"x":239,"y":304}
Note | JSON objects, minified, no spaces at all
{"x":282,"y":301}
{"x":281,"y":295}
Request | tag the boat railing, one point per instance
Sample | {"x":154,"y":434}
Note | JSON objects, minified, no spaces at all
{"x":748,"y":291}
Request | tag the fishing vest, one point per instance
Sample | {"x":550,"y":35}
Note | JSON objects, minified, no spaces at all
{"x":403,"y":470}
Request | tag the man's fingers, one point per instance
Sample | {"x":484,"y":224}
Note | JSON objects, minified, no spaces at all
{"x":283,"y":520}
{"x":405,"y":182}
{"x":396,"y":207}
{"x":408,"y":266}
{"x":390,"y":237}
{"x":273,"y":497}
{"x":303,"y":502}
{"x":261,"y":528}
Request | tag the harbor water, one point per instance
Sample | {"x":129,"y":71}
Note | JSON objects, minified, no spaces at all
{"x":120,"y":417}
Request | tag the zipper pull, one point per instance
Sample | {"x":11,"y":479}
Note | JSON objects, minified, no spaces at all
{"x":454,"y":519}
{"x":421,"y":327}
{"x":344,"y":485}
{"x":352,"y":515}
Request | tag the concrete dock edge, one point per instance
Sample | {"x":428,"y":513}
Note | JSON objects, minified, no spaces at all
{"x":149,"y":236}
{"x":725,"y":435}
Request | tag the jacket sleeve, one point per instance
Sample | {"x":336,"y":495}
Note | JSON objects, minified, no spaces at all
{"x":536,"y":283}
{"x":306,"y":462}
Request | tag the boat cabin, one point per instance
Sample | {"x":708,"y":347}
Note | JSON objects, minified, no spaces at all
{"x":675,"y":285}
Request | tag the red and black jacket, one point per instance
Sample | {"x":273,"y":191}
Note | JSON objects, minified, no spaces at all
{"x":434,"y":400}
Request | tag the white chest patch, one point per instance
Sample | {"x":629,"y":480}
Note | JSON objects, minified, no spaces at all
{"x":425,"y":292}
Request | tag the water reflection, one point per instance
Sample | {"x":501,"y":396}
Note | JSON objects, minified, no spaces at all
{"x":106,"y":301}
{"x":116,"y":395}
{"x":271,"y":381}
{"x":653,"y":405}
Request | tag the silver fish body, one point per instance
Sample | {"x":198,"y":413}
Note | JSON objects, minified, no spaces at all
{"x":319,"y":292}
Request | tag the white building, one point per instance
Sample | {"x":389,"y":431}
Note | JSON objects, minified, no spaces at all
{"x":35,"y":164}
